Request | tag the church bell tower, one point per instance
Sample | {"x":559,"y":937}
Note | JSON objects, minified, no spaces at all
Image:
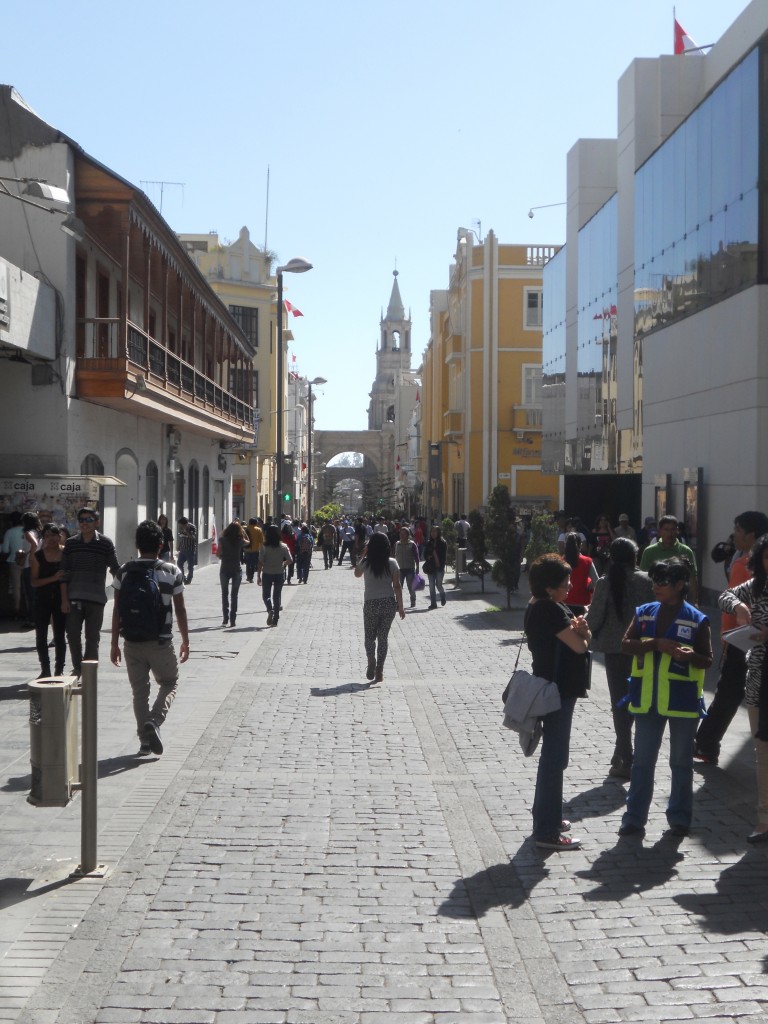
{"x":393,"y":353}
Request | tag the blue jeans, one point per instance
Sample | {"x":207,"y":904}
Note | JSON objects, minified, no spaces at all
{"x":435,"y":584}
{"x":251,"y":564}
{"x":555,"y":750}
{"x":229,"y":603}
{"x":186,"y":558}
{"x":649,"y":730}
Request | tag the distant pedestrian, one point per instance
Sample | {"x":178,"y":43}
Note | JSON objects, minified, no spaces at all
{"x":166,"y":553}
{"x":232,"y":543}
{"x":584,"y":575}
{"x":671,"y":647}
{"x":347,"y":542}
{"x":327,"y":541}
{"x":407,"y":558}
{"x":288,"y":537}
{"x":13,"y":542}
{"x":435,"y":555}
{"x":46,"y":577}
{"x":668,"y":546}
{"x":86,"y":559}
{"x":623,"y":529}
{"x":187,"y":547}
{"x":382,"y":601}
{"x":273,"y":558}
{"x":255,"y":540}
{"x":462,"y":531}
{"x":303,"y":556}
{"x":147,"y":592}
{"x":33,"y":530}
{"x":610,"y":612}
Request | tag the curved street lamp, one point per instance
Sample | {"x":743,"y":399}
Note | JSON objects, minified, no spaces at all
{"x":294,"y":266}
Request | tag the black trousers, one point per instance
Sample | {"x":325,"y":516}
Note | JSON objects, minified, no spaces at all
{"x":729,"y":693}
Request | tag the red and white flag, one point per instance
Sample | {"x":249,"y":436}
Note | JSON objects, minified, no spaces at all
{"x":290,"y":308}
{"x":683,"y":41}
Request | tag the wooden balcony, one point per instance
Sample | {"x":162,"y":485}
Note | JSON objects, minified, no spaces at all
{"x":147,"y":379}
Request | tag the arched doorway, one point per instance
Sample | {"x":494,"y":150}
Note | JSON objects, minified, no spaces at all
{"x":126,"y":504}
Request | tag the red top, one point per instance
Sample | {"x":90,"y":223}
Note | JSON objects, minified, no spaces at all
{"x":580,"y":579}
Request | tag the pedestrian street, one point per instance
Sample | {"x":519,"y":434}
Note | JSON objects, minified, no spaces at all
{"x":312,"y":848}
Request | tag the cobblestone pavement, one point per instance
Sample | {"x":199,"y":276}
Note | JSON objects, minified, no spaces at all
{"x":313,"y":848}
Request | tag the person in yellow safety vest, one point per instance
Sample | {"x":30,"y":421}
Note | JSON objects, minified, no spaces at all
{"x":671,"y":645}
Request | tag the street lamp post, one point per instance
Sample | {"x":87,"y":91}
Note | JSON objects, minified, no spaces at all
{"x":294,"y":266}
{"x":310,"y":420}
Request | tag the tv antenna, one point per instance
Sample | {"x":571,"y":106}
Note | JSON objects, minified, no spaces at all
{"x":163,"y":184}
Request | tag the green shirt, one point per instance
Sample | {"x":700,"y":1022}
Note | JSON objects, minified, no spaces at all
{"x":658,"y":552}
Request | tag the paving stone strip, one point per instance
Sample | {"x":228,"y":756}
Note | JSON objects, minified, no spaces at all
{"x":332,"y":852}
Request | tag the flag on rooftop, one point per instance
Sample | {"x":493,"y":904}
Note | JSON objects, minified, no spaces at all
{"x":683,"y":41}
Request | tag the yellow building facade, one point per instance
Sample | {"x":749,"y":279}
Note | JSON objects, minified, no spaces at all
{"x":240,"y":274}
{"x":481,"y":407}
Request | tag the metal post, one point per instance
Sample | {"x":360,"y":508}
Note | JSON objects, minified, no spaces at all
{"x":89,"y":769}
{"x":278,"y":510}
{"x":309,"y":456}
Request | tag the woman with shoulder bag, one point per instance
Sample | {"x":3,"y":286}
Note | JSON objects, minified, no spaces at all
{"x":558,"y":641}
{"x":383,"y":600}
{"x":45,"y":577}
{"x":616,"y":596}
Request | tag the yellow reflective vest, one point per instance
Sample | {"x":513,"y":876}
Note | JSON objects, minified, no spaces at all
{"x":671,"y":688}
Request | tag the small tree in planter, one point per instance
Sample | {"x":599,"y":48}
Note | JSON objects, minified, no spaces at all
{"x":479,"y":566}
{"x":505,"y":541}
{"x":543,"y":539}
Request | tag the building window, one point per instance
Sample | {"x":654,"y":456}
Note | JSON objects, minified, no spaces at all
{"x":532,"y":385}
{"x":193,"y":495}
{"x":240,"y":382}
{"x":92,"y":466}
{"x":248,"y":320}
{"x":152,"y":477}
{"x":534,"y":304}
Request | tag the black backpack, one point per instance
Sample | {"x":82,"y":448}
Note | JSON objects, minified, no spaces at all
{"x":140,"y":603}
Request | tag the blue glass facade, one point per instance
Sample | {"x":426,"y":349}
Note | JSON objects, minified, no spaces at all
{"x":696,"y":206}
{"x":553,"y":365}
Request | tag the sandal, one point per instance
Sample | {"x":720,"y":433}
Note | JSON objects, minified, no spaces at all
{"x":565,"y":826}
{"x":559,"y":843}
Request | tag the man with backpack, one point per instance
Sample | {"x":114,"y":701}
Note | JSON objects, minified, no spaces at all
{"x":147,"y":592}
{"x":328,"y":541}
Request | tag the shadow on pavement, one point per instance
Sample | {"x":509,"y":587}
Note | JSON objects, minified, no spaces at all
{"x":16,"y":890}
{"x":740,"y":900}
{"x":629,"y":867}
{"x":17,"y":784}
{"x":598,"y":802}
{"x":18,"y":691}
{"x":125,"y":763}
{"x":486,"y":620}
{"x":508,"y":884}
{"x":336,"y":691}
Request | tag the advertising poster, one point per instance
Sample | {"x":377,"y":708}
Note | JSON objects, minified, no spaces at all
{"x":54,"y":499}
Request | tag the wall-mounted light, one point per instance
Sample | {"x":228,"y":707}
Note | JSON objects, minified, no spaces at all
{"x":139,"y":385}
{"x":546,"y":206}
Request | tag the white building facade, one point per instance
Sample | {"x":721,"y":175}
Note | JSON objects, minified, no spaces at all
{"x":656,"y":312}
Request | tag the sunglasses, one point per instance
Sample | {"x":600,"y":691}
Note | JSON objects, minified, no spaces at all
{"x":87,"y":519}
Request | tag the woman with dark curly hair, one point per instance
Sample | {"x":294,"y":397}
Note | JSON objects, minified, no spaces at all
{"x":558,"y":641}
{"x":383,"y":600}
{"x":749,"y":603}
{"x":273,"y":557}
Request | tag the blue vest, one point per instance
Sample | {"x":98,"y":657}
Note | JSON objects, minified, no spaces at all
{"x":673,"y":688}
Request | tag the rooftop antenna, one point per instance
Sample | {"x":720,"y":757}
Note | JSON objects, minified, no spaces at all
{"x":162,"y":184}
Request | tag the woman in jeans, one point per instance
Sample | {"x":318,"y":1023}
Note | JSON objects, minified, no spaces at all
{"x":435,"y":554}
{"x":232,"y":543}
{"x":273,"y":557}
{"x":46,"y":574}
{"x":383,"y":600}
{"x":616,"y":596}
{"x":558,"y":641}
{"x":407,"y":558}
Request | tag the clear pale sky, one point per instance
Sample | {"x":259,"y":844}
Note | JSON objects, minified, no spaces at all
{"x":385,"y":126}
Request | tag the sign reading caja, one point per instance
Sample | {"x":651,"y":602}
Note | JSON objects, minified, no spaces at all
{"x":55,"y":499}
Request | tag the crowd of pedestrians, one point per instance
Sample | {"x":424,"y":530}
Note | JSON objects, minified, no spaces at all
{"x":639,"y":610}
{"x":601,"y":592}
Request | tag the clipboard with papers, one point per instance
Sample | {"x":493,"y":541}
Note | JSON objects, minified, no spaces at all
{"x":743,"y":637}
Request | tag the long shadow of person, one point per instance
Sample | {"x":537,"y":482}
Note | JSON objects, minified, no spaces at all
{"x":597,"y":802}
{"x":508,"y":884}
{"x":630,"y":867}
{"x":740,"y":901}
